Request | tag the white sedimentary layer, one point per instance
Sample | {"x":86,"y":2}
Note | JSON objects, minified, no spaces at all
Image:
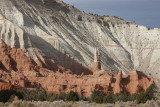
{"x":43,"y":29}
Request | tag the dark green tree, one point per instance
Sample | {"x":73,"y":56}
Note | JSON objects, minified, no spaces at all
{"x":62,"y":96}
{"x":149,"y":94}
{"x":151,"y":91}
{"x":52,"y":97}
{"x":98,"y":99}
{"x":35,"y":95}
{"x":141,"y":98}
{"x":72,"y":96}
{"x":108,"y":99}
{"x":6,"y":94}
{"x":97,"y":96}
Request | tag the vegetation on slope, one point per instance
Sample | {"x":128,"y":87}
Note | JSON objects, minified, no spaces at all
{"x":97,"y":96}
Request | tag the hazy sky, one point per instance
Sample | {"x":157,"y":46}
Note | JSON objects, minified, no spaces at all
{"x":143,"y":12}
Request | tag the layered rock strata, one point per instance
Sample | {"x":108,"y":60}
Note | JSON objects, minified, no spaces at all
{"x":17,"y":71}
{"x":50,"y":30}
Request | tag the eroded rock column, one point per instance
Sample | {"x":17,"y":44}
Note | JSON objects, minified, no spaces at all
{"x":97,"y":60}
{"x":117,"y":88}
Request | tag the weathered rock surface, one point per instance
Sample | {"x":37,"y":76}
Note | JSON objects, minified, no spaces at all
{"x":50,"y":29}
{"x":17,"y":71}
{"x":14,"y":59}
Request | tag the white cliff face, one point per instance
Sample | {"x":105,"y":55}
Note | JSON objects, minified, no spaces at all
{"x":49,"y":29}
{"x":142,"y":44}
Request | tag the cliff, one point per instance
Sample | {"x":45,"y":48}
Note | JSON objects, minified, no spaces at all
{"x":18,"y":71}
{"x":50,"y":30}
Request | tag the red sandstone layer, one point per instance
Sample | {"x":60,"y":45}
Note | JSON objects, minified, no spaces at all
{"x":17,"y":71}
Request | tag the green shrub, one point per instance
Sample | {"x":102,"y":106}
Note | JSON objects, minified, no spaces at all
{"x":124,"y":97}
{"x":11,"y":99}
{"x":6,"y":94}
{"x":35,"y":95}
{"x":98,"y":99}
{"x":97,"y":96}
{"x":83,"y":98}
{"x":141,"y":98}
{"x":62,"y":96}
{"x":116,"y":97}
{"x":80,"y":18}
{"x":38,"y":95}
{"x":26,"y":94}
{"x":72,"y":96}
{"x":132,"y":97}
{"x":52,"y":97}
{"x":149,"y":94}
{"x":121,"y":97}
{"x":108,"y":99}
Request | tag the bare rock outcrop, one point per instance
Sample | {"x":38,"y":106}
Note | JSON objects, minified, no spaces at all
{"x":14,"y":59}
{"x":118,"y":87}
{"x":97,"y":60}
{"x":50,"y":30}
{"x":51,"y":44}
{"x":17,"y":71}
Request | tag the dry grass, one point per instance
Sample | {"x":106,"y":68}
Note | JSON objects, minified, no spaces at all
{"x":20,"y":103}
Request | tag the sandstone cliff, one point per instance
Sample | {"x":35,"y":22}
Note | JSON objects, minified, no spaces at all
{"x":50,"y":29}
{"x":17,"y":71}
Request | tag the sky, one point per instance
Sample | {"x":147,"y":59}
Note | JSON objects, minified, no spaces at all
{"x":143,"y":12}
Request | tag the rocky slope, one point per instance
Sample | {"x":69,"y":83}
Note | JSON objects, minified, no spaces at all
{"x":17,"y":71}
{"x":50,"y":30}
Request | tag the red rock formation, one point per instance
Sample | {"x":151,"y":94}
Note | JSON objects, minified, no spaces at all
{"x":14,"y":59}
{"x":5,"y":86}
{"x":17,"y":71}
{"x":118,"y":88}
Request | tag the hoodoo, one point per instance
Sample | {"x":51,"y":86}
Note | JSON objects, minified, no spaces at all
{"x":18,"y":71}
{"x":97,"y":60}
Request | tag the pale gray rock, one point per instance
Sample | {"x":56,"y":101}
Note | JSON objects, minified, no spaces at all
{"x":47,"y":29}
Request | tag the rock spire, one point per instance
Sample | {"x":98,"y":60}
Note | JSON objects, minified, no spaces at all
{"x":97,"y":60}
